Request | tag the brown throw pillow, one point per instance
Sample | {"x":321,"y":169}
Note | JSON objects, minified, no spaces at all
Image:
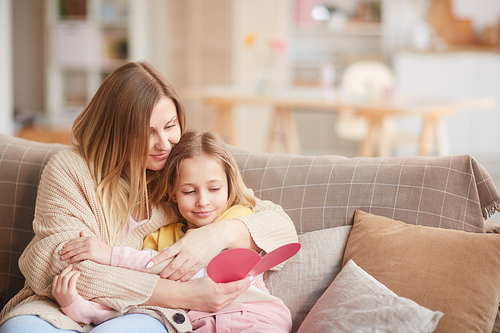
{"x":452,"y":271}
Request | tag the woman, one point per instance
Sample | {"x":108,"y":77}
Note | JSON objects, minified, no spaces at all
{"x":101,"y":186}
{"x":205,"y":185}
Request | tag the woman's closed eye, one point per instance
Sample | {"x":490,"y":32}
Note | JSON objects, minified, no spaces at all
{"x":215,"y":189}
{"x":169,"y":127}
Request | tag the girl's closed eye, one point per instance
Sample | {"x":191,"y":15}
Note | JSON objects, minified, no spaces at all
{"x":215,"y":189}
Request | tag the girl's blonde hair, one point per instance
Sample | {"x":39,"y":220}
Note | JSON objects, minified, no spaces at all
{"x":194,"y":144}
{"x":112,"y":133}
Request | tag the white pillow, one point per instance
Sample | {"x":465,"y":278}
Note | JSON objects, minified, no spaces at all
{"x":357,"y":302}
{"x":308,"y":274}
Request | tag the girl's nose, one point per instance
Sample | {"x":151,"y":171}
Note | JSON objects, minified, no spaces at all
{"x":203,"y":200}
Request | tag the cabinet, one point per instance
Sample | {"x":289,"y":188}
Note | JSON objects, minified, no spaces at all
{"x":334,"y":33}
{"x":86,"y":40}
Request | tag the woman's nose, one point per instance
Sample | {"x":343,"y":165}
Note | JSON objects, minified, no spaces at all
{"x":162,"y":142}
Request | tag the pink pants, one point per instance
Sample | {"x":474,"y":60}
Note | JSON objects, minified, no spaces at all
{"x":269,"y":316}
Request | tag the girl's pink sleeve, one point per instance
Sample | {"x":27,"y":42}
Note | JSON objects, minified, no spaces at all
{"x":127,"y":257}
{"x":86,"y":312}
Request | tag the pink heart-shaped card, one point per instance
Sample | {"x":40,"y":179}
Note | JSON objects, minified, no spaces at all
{"x":235,"y":264}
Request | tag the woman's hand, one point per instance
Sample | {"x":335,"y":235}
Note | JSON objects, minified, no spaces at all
{"x":195,"y":250}
{"x":201,"y":294}
{"x":64,"y":286}
{"x":86,"y":247}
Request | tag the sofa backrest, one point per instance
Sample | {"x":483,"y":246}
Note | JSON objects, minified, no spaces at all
{"x":324,"y":191}
{"x":316,"y":191}
{"x":21,"y":164}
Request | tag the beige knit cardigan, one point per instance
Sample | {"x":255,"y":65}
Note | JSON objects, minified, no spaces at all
{"x":67,"y":204}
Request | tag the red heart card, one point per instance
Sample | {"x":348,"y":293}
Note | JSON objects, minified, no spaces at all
{"x":235,"y":264}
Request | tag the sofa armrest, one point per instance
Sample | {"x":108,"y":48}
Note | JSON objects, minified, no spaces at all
{"x":21,"y":165}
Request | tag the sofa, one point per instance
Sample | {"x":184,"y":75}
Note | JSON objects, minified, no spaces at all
{"x":388,"y":244}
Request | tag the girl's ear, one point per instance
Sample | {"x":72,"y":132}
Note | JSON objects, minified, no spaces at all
{"x":171,"y":194}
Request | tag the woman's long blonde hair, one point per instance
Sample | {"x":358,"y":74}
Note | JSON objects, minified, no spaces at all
{"x":112,"y":134}
{"x":194,"y":144}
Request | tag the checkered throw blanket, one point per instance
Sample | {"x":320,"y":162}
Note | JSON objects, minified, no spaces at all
{"x":324,"y":191}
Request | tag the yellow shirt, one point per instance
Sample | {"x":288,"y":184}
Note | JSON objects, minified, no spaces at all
{"x":169,"y":234}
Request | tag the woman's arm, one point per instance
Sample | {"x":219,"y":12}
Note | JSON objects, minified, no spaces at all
{"x":200,"y":294}
{"x":270,"y":227}
{"x":267,"y":229}
{"x":66,"y":205}
{"x":206,"y":295}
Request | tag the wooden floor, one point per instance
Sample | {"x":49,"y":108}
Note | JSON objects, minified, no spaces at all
{"x":46,"y":135}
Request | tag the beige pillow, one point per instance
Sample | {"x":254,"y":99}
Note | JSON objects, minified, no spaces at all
{"x":308,"y":274}
{"x":452,"y":271}
{"x":356,"y":302}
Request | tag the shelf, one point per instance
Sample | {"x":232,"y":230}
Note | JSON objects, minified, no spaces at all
{"x":320,"y":44}
{"x":72,"y":9}
{"x":352,"y":29}
{"x":87,"y":39}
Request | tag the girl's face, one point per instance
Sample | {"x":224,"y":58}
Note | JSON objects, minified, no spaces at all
{"x":203,"y":190}
{"x":164,"y":131}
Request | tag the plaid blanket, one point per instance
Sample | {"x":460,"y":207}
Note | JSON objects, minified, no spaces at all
{"x":324,"y":191}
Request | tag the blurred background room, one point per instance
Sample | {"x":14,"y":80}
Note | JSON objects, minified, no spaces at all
{"x":271,"y":75}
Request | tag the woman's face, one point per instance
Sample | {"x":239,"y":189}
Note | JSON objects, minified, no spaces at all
{"x":164,"y":133}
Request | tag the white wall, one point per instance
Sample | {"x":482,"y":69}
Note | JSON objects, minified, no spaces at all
{"x":458,"y":76}
{"x":157,"y":20}
{"x":482,"y":12}
{"x":28,"y":50}
{"x":266,"y":19}
{"x":6,"y":91}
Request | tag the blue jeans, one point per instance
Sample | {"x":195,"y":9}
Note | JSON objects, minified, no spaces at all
{"x":132,"y":323}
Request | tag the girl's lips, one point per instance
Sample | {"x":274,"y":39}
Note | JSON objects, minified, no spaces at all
{"x":159,"y":156}
{"x":203,"y":214}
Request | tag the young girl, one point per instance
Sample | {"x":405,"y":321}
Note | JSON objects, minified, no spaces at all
{"x":205,"y":184}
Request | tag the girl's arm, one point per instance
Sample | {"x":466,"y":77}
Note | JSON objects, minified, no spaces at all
{"x":74,"y":305}
{"x":86,"y":312}
{"x":90,"y":248}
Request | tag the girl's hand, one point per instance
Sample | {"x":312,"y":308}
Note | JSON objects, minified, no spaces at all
{"x":64,"y":286}
{"x":195,"y":250}
{"x":86,"y":247}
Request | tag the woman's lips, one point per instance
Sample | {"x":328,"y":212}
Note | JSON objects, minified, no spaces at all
{"x":160,"y":157}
